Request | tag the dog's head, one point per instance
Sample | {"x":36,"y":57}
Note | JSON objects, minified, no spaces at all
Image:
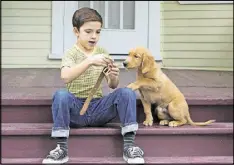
{"x":141,"y":58}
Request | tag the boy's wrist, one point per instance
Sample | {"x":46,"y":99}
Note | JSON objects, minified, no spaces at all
{"x":89,"y":61}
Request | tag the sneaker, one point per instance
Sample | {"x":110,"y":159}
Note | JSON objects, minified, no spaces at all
{"x":133,"y":155}
{"x":56,"y":156}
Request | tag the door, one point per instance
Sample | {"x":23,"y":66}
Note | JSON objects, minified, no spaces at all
{"x":125,"y":24}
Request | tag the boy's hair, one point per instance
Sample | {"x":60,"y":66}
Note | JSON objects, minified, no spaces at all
{"x":83,"y":15}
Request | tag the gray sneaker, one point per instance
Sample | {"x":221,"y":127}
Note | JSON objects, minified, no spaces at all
{"x":56,"y":156}
{"x":133,"y":155}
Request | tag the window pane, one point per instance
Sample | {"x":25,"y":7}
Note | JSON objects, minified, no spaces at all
{"x":113,"y":14}
{"x":100,"y":7}
{"x":129,"y":14}
{"x":83,"y":4}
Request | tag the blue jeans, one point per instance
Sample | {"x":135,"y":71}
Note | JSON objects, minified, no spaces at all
{"x":66,"y":111}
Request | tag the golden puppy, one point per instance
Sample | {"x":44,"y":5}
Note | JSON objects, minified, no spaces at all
{"x":155,"y":87}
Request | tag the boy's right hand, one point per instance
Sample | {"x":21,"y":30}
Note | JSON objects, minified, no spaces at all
{"x":99,"y":60}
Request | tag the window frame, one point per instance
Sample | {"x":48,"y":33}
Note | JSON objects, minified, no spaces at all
{"x":57,"y":38}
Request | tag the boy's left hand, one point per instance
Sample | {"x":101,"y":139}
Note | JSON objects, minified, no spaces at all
{"x":113,"y":71}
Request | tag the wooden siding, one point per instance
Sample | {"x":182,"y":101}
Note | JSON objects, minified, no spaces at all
{"x":26,"y":34}
{"x":197,"y":36}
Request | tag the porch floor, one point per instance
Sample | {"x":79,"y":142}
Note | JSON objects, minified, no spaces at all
{"x":40,"y":84}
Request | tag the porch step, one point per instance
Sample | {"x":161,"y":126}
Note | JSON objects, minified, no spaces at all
{"x":27,"y":93}
{"x":119,"y":160}
{"x":39,"y":111}
{"x":33,"y":141}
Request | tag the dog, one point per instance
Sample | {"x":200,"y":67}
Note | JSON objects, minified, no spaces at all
{"x":156,"y":88}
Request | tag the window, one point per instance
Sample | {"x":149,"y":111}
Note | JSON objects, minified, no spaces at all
{"x":127,"y":24}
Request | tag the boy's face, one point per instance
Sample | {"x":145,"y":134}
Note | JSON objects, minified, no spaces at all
{"x":88,"y":34}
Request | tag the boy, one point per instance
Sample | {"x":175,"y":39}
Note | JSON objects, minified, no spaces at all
{"x":81,"y":66}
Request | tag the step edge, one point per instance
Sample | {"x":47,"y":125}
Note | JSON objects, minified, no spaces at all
{"x":119,"y":160}
{"x":116,"y":132}
{"x":11,"y":129}
{"x":45,"y":101}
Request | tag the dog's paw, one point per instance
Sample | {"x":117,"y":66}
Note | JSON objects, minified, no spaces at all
{"x":148,"y":122}
{"x":173,"y":124}
{"x":132,"y":86}
{"x":164,"y":122}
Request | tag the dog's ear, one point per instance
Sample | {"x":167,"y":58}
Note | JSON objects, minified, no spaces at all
{"x":147,"y":63}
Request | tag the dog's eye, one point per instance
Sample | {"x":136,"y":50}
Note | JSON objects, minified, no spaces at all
{"x":136,"y":56}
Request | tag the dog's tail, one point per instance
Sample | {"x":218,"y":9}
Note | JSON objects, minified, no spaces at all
{"x":198,"y":123}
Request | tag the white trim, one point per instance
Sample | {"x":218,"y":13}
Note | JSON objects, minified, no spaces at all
{"x":154,"y":29}
{"x":121,"y":17}
{"x":106,"y":14}
{"x":69,"y":38}
{"x":53,"y":56}
{"x":57,"y":45}
{"x":204,"y":2}
{"x":91,"y":4}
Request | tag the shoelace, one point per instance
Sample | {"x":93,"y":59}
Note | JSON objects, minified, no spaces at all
{"x":134,"y":152}
{"x":56,"y":153}
{"x":57,"y":148}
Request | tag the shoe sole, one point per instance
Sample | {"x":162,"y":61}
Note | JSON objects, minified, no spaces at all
{"x":48,"y":161}
{"x":134,"y":160}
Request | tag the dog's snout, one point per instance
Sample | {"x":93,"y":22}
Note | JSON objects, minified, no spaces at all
{"x":125,"y":63}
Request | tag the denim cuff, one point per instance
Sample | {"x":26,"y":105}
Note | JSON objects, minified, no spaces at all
{"x":60,"y":132}
{"x":129,"y":128}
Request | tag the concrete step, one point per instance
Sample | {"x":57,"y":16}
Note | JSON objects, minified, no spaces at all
{"x":118,"y":160}
{"x":39,"y":111}
{"x":23,"y":140}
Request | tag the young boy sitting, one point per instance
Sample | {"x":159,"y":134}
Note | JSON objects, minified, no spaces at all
{"x":80,"y":69}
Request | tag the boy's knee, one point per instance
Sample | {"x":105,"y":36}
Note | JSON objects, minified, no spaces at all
{"x":61,"y":94}
{"x":127,"y":93}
